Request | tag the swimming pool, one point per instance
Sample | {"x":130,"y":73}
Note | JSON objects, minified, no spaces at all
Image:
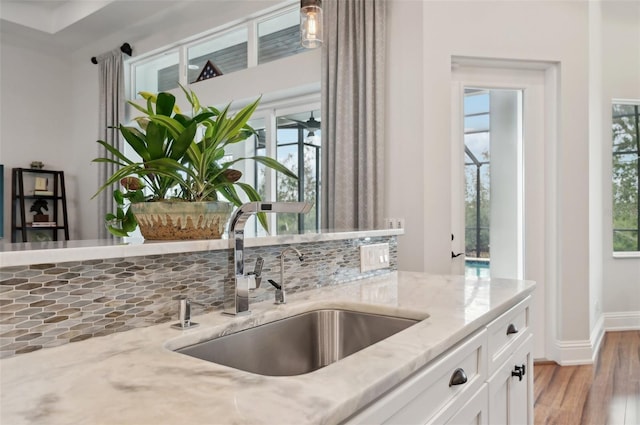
{"x":476,"y":268}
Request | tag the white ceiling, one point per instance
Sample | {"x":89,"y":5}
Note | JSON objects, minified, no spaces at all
{"x":70,"y":24}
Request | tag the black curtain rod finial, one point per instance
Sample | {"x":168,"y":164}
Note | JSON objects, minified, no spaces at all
{"x":126,"y":49}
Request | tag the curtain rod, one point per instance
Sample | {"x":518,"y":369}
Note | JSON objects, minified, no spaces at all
{"x":125,"y":48}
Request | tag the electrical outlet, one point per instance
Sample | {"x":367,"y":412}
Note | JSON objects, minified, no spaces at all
{"x":374,"y":257}
{"x":399,"y":223}
{"x":390,"y":223}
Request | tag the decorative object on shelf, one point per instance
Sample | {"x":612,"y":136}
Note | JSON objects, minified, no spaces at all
{"x":41,"y":183}
{"x":209,"y":71}
{"x":41,"y":187}
{"x":38,"y":165}
{"x":311,"y":23}
{"x":37,"y":207}
{"x":182,"y":161}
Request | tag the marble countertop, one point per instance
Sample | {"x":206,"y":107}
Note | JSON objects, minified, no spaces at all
{"x":135,"y":378}
{"x":17,"y":254}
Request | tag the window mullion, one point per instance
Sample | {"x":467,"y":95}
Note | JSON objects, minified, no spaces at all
{"x":252,"y":43}
{"x":271,"y":150}
{"x":183,"y":64}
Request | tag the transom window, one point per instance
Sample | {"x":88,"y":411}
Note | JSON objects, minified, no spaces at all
{"x":256,"y":41}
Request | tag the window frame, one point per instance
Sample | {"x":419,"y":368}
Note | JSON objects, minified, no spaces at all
{"x":613,"y":153}
{"x":250,"y":23}
{"x":269,"y":112}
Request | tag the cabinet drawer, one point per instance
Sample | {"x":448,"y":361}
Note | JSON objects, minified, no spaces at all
{"x":422,"y":396}
{"x":507,"y":332}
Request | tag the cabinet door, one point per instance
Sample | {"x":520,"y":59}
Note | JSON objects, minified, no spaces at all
{"x":521,"y":391}
{"x":474,"y":412}
{"x":511,"y":398}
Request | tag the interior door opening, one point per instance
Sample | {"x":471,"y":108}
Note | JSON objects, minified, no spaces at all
{"x":493,"y":182}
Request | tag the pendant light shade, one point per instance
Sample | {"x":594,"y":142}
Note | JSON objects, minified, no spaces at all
{"x":311,"y":23}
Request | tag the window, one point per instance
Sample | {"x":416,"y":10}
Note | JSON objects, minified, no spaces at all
{"x":279,"y":37}
{"x":152,"y":75}
{"x":298,"y":148}
{"x":626,"y":167}
{"x":477,"y":172}
{"x":228,"y":52}
{"x":296,"y":143}
{"x":259,"y":39}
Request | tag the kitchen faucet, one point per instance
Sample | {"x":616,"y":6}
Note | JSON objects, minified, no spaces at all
{"x":280,"y":292}
{"x":236,"y":299}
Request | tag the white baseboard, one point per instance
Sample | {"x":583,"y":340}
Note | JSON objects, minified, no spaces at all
{"x":581,"y":352}
{"x":622,"y":321}
{"x":571,"y":353}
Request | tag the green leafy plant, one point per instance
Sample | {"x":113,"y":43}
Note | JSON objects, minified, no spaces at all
{"x":182,"y":156}
{"x":122,"y":222}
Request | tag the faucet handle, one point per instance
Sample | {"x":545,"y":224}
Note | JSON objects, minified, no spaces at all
{"x":280,"y":297}
{"x":257,"y":272}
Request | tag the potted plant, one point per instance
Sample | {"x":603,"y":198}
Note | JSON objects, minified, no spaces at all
{"x":174,"y":190}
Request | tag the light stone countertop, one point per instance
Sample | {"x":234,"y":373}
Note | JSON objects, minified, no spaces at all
{"x":17,"y":254}
{"x":134,"y":378}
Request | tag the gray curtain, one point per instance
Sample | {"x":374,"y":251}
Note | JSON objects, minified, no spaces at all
{"x":353,"y":60}
{"x":112,"y":105}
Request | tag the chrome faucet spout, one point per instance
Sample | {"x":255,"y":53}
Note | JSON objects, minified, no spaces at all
{"x":237,"y":303}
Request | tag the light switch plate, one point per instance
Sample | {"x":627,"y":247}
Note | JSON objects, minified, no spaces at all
{"x":374,"y":257}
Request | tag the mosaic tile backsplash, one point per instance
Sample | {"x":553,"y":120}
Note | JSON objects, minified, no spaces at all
{"x":46,"y":305}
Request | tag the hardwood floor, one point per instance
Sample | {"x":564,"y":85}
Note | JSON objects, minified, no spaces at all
{"x":605,"y":393}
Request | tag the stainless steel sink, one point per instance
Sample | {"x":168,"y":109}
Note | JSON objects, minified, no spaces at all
{"x":298,"y":344}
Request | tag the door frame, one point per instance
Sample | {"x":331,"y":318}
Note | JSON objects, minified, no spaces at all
{"x":539,"y":83}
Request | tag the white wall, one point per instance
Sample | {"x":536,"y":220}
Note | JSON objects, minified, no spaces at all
{"x":596,"y":152}
{"x":419,"y":146}
{"x":35,"y":119}
{"x":621,"y":80}
{"x":405,"y":132}
{"x":513,"y":30}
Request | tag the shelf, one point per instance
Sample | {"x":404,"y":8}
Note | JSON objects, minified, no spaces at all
{"x":22,"y":204}
{"x":28,"y":227}
{"x":42,"y":197}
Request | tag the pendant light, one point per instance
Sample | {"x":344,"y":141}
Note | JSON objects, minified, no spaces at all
{"x":311,"y":23}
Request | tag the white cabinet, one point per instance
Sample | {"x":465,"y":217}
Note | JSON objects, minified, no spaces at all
{"x":511,"y":388}
{"x":511,"y":367}
{"x":506,"y":333}
{"x":497,"y":387}
{"x":430,"y":396}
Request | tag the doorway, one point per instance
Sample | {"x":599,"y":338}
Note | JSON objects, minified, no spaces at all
{"x":493,"y":173}
{"x":500,"y":182}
